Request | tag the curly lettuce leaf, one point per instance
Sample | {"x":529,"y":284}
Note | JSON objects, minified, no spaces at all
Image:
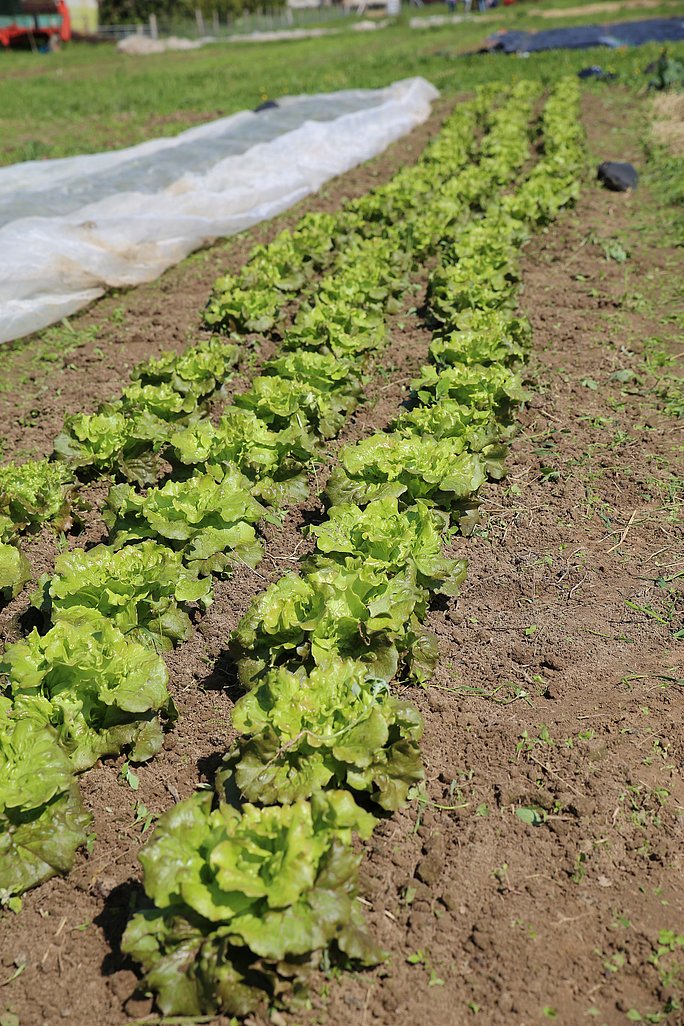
{"x":454,"y":288}
{"x":450,"y":419}
{"x":345,"y":332}
{"x":243,"y":309}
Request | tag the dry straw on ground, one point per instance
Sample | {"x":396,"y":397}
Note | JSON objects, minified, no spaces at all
{"x":668,"y":121}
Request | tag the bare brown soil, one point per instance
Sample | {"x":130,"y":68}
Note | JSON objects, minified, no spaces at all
{"x":554,"y":700}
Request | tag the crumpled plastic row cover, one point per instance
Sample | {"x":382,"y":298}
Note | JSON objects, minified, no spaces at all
{"x":72,"y":227}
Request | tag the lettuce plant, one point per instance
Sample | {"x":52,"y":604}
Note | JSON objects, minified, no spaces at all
{"x":407,"y":467}
{"x":375,"y":274}
{"x":114,"y":439}
{"x":344,"y":331}
{"x":200,"y":369}
{"x":286,"y":402}
{"x":100,"y":691}
{"x":242,"y":309}
{"x":358,"y":613}
{"x":245,"y":902}
{"x":15,"y":571}
{"x":274,"y":461}
{"x":144,"y":589}
{"x":252,"y":299}
{"x":42,"y":818}
{"x":324,"y":371}
{"x":124,"y":436}
{"x":449,"y":418}
{"x":503,"y":340}
{"x":391,"y":540}
{"x":33,"y":494}
{"x":160,"y":399}
{"x":454,"y":288}
{"x":335,"y":726}
{"x":479,"y":430}
{"x":208,"y":520}
{"x":487,"y":388}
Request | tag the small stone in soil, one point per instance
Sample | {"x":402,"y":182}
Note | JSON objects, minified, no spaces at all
{"x":429,"y":869}
{"x":552,"y":662}
{"x":437,"y":701}
{"x":138,"y":1006}
{"x":450,"y":898}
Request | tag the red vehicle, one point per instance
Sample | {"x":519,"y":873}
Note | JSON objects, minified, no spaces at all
{"x":38,"y":24}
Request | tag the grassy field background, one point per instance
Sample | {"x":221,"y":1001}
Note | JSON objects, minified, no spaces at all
{"x":88,"y":98}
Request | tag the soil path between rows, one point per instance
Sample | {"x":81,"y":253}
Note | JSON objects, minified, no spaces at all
{"x":554,"y":700}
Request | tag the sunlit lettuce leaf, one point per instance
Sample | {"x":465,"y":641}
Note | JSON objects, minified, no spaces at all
{"x":450,"y":419}
{"x":243,"y":309}
{"x":343,"y":331}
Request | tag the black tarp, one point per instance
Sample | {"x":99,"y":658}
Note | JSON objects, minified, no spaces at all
{"x":582,"y":37}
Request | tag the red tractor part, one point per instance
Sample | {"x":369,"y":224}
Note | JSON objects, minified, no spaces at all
{"x":34,"y":24}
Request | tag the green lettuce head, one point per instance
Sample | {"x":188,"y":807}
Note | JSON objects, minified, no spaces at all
{"x":244,"y":901}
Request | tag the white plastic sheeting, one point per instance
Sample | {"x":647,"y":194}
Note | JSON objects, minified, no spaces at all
{"x":71,"y":227}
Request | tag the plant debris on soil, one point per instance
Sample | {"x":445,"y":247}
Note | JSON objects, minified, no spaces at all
{"x":537,"y":877}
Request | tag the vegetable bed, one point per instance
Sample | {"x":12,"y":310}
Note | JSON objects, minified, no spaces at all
{"x":251,"y":882}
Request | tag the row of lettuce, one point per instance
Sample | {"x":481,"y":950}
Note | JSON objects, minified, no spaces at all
{"x":253,"y":885}
{"x":92,"y":682}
